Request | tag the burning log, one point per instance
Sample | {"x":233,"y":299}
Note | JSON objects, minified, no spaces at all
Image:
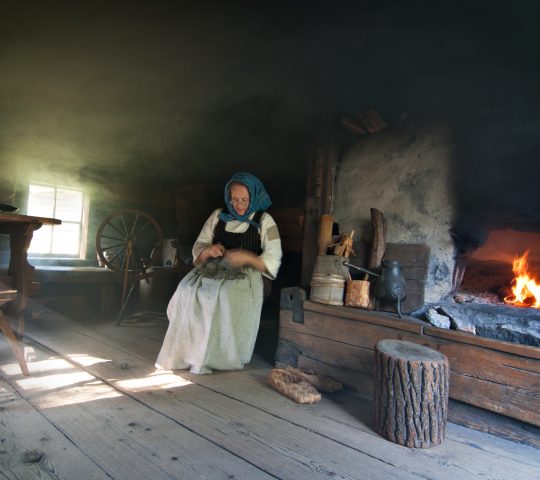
{"x":525,"y":289}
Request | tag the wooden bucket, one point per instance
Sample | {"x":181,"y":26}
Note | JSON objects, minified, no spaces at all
{"x":327,"y":288}
{"x":331,"y":265}
{"x":357,"y":294}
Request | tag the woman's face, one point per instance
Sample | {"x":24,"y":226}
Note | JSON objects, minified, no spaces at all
{"x":240,"y":199}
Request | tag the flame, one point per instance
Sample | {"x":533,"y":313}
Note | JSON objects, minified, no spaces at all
{"x":525,"y":289}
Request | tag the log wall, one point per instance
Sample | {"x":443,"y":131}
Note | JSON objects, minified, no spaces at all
{"x":498,"y":376}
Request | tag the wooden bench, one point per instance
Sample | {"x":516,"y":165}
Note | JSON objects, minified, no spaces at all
{"x":63,"y":282}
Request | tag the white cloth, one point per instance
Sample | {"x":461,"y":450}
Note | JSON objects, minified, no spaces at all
{"x":270,"y":241}
{"x":214,"y":322}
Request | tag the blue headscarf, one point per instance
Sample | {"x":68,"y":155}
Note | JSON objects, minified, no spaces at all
{"x":258,"y":198}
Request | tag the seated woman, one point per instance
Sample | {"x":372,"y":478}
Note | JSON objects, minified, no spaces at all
{"x":215,"y":312}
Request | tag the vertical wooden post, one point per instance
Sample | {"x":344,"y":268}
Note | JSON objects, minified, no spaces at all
{"x":319,"y":201}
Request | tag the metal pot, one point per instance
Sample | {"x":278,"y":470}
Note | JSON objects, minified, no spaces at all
{"x":390,"y":285}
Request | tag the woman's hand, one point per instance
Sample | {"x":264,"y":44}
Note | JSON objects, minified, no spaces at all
{"x":216,"y":250}
{"x":244,"y":258}
{"x":213,"y":251}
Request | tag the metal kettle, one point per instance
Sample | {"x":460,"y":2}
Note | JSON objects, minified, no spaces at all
{"x":390,"y":285}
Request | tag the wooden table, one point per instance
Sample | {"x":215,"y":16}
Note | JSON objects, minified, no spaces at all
{"x":20,"y":229}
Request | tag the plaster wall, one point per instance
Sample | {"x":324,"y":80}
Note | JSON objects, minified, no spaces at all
{"x":405,"y":174}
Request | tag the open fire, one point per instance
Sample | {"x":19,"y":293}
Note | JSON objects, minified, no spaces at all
{"x":499,"y":296}
{"x":525,"y":288}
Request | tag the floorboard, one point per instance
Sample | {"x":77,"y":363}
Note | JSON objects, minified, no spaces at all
{"x":31,"y":447}
{"x":95,"y":383}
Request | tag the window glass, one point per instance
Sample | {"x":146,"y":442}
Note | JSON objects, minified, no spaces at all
{"x":69,"y":205}
{"x":65,"y":239}
{"x":41,"y":201}
{"x":66,"y":205}
{"x":41,"y":241}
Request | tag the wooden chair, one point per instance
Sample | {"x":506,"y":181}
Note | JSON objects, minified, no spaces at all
{"x":7,"y":296}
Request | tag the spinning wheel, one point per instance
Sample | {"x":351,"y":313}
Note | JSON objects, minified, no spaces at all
{"x":129,"y":241}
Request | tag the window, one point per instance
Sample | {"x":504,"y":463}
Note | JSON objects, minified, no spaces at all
{"x":66,"y":204}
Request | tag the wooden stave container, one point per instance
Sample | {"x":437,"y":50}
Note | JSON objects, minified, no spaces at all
{"x":327,"y":288}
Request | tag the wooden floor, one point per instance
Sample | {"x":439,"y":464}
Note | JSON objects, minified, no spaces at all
{"x":94,"y":407}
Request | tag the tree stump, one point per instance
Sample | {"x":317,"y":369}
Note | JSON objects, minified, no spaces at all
{"x":411,"y":393}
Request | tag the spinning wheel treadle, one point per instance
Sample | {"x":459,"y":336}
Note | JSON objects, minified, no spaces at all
{"x":129,"y":241}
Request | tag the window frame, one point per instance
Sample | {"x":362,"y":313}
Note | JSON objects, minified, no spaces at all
{"x":83,"y":224}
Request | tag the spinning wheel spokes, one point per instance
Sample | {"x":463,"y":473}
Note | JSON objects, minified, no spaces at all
{"x":129,"y":240}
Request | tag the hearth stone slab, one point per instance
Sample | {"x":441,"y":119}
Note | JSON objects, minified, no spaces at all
{"x":511,"y":324}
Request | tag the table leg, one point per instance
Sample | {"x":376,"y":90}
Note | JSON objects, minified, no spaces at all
{"x":20,"y":269}
{"x":5,"y":327}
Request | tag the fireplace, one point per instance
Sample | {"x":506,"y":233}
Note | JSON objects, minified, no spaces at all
{"x":443,"y":191}
{"x":497,"y":289}
{"x":488,"y":272}
{"x":448,"y":193}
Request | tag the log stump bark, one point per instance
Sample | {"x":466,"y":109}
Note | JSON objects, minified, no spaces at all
{"x":411,"y":393}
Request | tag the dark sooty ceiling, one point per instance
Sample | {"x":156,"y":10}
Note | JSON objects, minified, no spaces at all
{"x":176,"y":92}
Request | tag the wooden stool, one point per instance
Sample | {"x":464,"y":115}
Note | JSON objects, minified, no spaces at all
{"x":5,"y":297}
{"x":411,"y":393}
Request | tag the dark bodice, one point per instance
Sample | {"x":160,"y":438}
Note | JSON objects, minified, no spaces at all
{"x":249,"y":240}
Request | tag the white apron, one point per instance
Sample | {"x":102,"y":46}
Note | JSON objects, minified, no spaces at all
{"x":213,"y":323}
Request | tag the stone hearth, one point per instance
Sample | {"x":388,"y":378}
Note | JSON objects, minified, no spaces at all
{"x":511,"y":324}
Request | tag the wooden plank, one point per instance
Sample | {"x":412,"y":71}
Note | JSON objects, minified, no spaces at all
{"x":332,"y":352}
{"x":407,"y":324}
{"x":341,"y":330}
{"x":77,"y":275}
{"x":118,"y":433}
{"x":342,"y":416}
{"x":378,"y":242}
{"x":263,"y":440}
{"x":497,"y":366}
{"x":409,"y":255}
{"x":497,"y":381}
{"x":491,"y":422}
{"x":503,"y":399}
{"x":19,"y":218}
{"x":498,"y":345}
{"x":469,"y":387}
{"x":312,"y":214}
{"x":346,"y":418}
{"x":290,"y":222}
{"x":292,"y":244}
{"x":319,"y":200}
{"x":23,"y":429}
